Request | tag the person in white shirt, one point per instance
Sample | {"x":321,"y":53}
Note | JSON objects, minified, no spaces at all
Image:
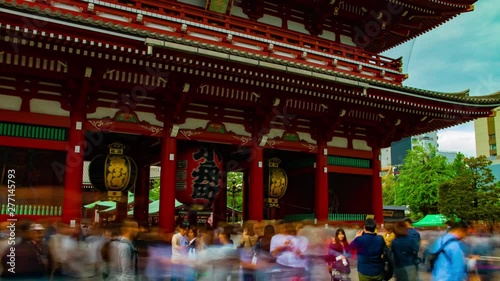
{"x":289,"y":251}
{"x":123,"y":254}
{"x":179,"y":252}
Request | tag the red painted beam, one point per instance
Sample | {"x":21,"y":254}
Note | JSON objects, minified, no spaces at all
{"x":122,"y":127}
{"x":33,"y":143}
{"x":34,"y":118}
{"x":337,"y":151}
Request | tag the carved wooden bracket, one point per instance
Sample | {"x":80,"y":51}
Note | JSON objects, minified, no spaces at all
{"x":172,"y":105}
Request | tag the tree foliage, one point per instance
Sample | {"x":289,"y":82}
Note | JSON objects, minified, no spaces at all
{"x":472,"y":194}
{"x":423,"y":171}
{"x":388,"y":189}
{"x":235,"y":178}
{"x":154,"y":192}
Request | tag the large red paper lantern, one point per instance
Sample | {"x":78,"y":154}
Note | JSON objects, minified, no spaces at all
{"x":199,"y":176}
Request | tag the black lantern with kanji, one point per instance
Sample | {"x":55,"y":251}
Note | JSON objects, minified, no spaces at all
{"x":113,"y":173}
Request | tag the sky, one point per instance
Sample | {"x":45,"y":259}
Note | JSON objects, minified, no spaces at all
{"x":464,"y":53}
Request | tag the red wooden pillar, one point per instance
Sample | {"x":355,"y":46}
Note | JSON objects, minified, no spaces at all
{"x":321,"y":195}
{"x":167,"y":182}
{"x":377,"y":203}
{"x":256,"y":185}
{"x":72,"y":203}
{"x":141,"y":196}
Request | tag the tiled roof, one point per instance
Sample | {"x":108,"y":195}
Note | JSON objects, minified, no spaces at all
{"x":124,"y":29}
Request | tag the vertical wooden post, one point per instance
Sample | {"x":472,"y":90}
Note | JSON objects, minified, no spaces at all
{"x":321,"y":191}
{"x":377,"y":201}
{"x":256,"y":185}
{"x":72,"y":203}
{"x":141,"y":195}
{"x":167,"y":181}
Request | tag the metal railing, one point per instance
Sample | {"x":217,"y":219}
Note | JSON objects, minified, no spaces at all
{"x":32,"y":210}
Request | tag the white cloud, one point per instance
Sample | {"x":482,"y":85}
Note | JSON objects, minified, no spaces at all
{"x":458,"y":139}
{"x":462,"y":54}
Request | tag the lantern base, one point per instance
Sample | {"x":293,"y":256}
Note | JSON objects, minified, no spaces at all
{"x":115,"y":196}
{"x":272,"y":202}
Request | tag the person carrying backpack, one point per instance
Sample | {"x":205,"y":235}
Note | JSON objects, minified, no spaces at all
{"x":123,"y":253}
{"x":448,"y":258}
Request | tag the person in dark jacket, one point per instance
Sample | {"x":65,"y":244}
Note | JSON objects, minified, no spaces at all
{"x":28,"y":260}
{"x":405,"y":250}
{"x":370,"y":248}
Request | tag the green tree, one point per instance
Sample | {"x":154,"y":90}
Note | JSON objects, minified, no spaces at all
{"x":388,"y":189}
{"x":471,"y":195}
{"x":154,"y":192}
{"x":236,"y":179}
{"x":423,"y":171}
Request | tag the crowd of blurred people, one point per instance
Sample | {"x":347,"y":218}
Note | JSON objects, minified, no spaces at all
{"x":261,"y":251}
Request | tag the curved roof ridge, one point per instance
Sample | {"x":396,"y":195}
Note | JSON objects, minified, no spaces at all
{"x":461,"y":94}
{"x":495,"y":95}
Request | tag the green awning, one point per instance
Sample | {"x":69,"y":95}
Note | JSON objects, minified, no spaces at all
{"x":154,"y":207}
{"x":435,"y":220}
{"x":100,"y":204}
{"x":110,"y":204}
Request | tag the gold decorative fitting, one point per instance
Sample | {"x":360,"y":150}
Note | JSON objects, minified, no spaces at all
{"x":274,"y":162}
{"x":278,"y":182}
{"x":116,"y":148}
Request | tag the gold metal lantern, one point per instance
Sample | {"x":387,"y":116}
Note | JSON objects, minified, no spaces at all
{"x":278,"y":182}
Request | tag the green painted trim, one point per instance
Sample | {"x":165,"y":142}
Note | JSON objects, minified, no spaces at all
{"x":349,"y":162}
{"x":331,"y":161}
{"x":33,"y":131}
{"x":346,"y":217}
{"x":299,"y":217}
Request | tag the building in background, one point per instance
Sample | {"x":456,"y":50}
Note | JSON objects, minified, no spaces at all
{"x":487,"y":137}
{"x":396,"y":153}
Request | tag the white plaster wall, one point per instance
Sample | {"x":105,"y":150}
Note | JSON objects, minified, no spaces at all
{"x":192,"y":124}
{"x":297,"y":26}
{"x":338,"y":142}
{"x":47,"y":107}
{"x":275,"y":133}
{"x":198,"y":3}
{"x":271,"y":20}
{"x":346,"y":40}
{"x":328,"y":35}
{"x":148,"y":117}
{"x":237,"y":129}
{"x":360,"y":145}
{"x":238,"y":12}
{"x":306,"y":137}
{"x":102,"y":112}
{"x":10,"y":102}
